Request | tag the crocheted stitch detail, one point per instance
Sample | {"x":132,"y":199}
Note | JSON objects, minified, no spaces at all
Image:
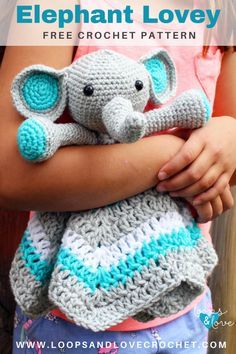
{"x":123,"y":244}
{"x":41,"y":91}
{"x":206,"y":105}
{"x":181,"y":268}
{"x":103,"y":278}
{"x":41,"y":269}
{"x":31,"y":139}
{"x":157,"y":70}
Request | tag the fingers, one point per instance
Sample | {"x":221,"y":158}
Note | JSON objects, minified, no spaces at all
{"x":189,"y":152}
{"x":217,"y":207}
{"x":203,"y":184}
{"x":189,"y":177}
{"x":214,"y":208}
{"x":227,"y":199}
{"x":205,"y":212}
{"x":222,"y":203}
{"x":210,"y":210}
{"x":218,"y":187}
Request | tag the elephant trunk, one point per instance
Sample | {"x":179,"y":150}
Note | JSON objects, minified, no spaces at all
{"x":122,"y":123}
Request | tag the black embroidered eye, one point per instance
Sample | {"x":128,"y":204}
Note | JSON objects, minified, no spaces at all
{"x":139,"y":85}
{"x":88,"y":90}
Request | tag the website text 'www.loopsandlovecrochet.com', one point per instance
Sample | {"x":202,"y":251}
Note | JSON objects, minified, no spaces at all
{"x":138,"y":345}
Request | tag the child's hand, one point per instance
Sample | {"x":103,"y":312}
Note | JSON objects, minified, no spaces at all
{"x":217,"y":206}
{"x":204,"y":165}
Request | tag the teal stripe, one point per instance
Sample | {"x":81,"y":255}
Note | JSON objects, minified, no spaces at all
{"x":41,"y":269}
{"x":103,"y":278}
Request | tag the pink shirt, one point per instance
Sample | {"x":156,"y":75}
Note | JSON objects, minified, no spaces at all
{"x":193,"y":71}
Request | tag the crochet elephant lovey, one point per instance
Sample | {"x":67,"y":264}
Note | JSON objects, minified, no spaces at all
{"x":142,"y":257}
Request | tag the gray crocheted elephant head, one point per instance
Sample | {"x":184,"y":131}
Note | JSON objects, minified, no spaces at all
{"x":106,"y":92}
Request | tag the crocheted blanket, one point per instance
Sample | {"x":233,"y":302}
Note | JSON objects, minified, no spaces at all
{"x":143,"y":257}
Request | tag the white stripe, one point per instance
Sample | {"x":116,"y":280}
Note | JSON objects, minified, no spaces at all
{"x":39,"y":240}
{"x":127,"y":245}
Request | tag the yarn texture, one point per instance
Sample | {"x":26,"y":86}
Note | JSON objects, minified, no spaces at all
{"x":144,"y":256}
{"x":41,"y":91}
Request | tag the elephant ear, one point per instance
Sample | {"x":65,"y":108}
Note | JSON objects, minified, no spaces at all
{"x":40,"y":91}
{"x":162,"y":74}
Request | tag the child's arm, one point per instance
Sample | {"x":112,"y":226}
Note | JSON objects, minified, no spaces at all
{"x":77,"y":177}
{"x":206,"y":163}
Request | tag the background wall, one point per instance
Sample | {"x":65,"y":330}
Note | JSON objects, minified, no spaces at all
{"x":223,"y":281}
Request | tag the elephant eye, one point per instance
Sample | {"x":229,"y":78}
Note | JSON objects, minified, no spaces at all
{"x":88,"y":90}
{"x":139,"y":85}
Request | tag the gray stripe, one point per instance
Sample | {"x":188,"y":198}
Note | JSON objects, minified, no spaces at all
{"x":182,"y":271}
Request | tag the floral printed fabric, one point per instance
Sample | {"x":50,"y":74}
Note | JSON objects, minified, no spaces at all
{"x":51,"y":335}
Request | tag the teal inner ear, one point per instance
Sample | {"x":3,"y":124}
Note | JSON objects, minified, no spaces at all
{"x":41,"y":91}
{"x":157,"y":70}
